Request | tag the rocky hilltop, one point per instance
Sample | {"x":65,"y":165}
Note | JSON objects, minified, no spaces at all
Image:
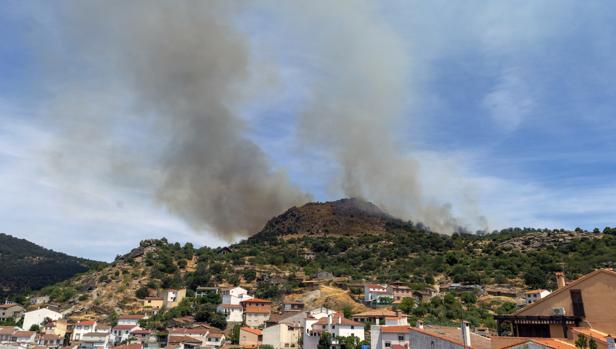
{"x":345,"y":217}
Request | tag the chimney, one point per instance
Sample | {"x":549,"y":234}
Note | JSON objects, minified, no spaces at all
{"x":329,"y":319}
{"x":419,"y":324}
{"x":610,"y":342}
{"x":339,"y":319}
{"x":560,"y":279}
{"x":466,"y":334}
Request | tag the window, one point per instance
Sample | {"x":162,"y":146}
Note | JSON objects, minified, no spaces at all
{"x":400,"y":338}
{"x":577,"y":302}
{"x":387,"y":344}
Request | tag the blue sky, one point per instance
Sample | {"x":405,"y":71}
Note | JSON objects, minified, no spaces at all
{"x":511,"y":101}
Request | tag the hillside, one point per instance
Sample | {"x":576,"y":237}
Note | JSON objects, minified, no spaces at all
{"x":343,"y":217}
{"x":356,"y":243}
{"x":27,"y":266}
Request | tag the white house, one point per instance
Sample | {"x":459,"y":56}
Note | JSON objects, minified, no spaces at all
{"x":534,"y":295}
{"x":234,"y":295}
{"x":37,"y":317}
{"x":215,"y":338}
{"x":282,"y":336}
{"x":336,"y":325}
{"x":132,"y":319}
{"x":232,"y":312}
{"x":24,"y":337}
{"x":121,"y":333}
{"x":81,"y":328}
{"x":390,"y":337}
{"x":374,"y":292}
{"x":94,"y":340}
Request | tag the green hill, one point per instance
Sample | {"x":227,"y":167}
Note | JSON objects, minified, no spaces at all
{"x":27,"y":266}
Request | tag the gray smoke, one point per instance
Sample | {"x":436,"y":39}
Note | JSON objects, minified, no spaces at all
{"x":356,"y":106}
{"x":182,"y":65}
{"x":175,"y":73}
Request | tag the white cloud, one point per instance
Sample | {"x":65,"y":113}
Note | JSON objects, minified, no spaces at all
{"x":510,"y":101}
{"x":89,"y":217}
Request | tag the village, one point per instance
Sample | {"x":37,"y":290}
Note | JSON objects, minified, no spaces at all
{"x":578,"y":314}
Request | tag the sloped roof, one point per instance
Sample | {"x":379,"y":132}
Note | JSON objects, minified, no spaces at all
{"x":256,"y":300}
{"x":535,"y":291}
{"x":395,"y":329}
{"x":182,"y":339}
{"x":553,"y":343}
{"x":564,"y":289}
{"x":453,"y":335}
{"x":131,"y":317}
{"x":252,"y":330}
{"x":129,"y":346}
{"x":591,"y":332}
{"x":24,"y":333}
{"x":257,"y":309}
{"x":377,"y":313}
{"x":188,"y":331}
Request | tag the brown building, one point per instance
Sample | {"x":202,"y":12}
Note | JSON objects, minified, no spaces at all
{"x":250,"y":337}
{"x":587,"y":302}
{"x":399,"y":291}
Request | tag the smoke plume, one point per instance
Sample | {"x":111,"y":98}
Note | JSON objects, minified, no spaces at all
{"x":183,"y":64}
{"x":174,"y":72}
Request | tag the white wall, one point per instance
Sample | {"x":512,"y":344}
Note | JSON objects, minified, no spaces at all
{"x":281,"y":336}
{"x":36,"y":317}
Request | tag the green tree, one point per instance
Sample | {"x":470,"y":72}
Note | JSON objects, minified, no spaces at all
{"x":325,"y":342}
{"x":35,"y":328}
{"x":235,"y":334}
{"x":581,"y":342}
{"x":406,"y":305}
{"x":347,"y":311}
{"x":142,"y":292}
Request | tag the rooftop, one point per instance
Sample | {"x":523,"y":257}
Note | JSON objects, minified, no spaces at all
{"x":453,"y":335}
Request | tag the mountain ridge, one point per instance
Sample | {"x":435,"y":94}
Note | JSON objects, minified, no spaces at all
{"x":28,"y":266}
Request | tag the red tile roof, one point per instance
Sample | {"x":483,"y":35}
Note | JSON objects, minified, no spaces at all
{"x":188,"y":331}
{"x":395,"y":329}
{"x":257,"y":309}
{"x":24,"y":333}
{"x":256,"y":300}
{"x":86,"y":323}
{"x":252,"y":330}
{"x":375,"y":286}
{"x":182,"y":339}
{"x":129,"y":346}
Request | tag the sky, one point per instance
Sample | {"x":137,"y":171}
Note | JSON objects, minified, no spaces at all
{"x":508,"y":105}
